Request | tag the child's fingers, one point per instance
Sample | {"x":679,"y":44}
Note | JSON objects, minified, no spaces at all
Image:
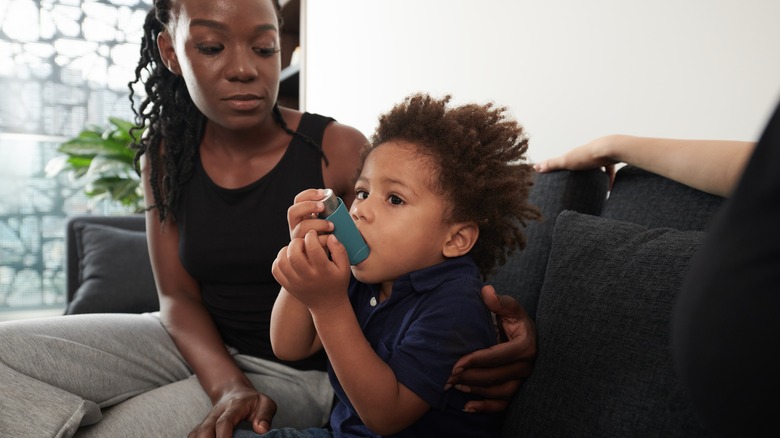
{"x":297,"y":258}
{"x":303,"y":215}
{"x":307,"y":205}
{"x":320,"y":226}
{"x":280,"y":267}
{"x":303,"y":210}
{"x":309,"y":195}
{"x":338,"y":252}
{"x":315,"y":249}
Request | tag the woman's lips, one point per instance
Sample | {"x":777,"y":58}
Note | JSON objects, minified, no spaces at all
{"x":243,"y":102}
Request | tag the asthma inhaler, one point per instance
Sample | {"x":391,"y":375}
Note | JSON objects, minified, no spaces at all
{"x":344,"y":227}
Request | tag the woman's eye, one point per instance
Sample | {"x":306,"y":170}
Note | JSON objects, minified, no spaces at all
{"x":395,"y":200}
{"x":266,"y":52}
{"x":209,"y":49}
{"x":361,"y":194}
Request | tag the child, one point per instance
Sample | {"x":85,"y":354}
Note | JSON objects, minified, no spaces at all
{"x":440,"y":198}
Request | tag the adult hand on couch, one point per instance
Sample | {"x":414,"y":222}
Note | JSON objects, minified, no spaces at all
{"x":592,"y":155}
{"x":496,"y":373}
{"x":712,"y":166}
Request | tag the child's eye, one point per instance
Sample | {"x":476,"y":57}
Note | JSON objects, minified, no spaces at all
{"x":209,"y":49}
{"x":395,"y":200}
{"x":361,"y":194}
{"x":266,"y":52}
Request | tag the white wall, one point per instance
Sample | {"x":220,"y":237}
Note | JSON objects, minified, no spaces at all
{"x":569,"y":70}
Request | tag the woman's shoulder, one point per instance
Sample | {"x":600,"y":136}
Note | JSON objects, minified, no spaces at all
{"x":336,"y":133}
{"x":342,"y":145}
{"x":344,"y":136}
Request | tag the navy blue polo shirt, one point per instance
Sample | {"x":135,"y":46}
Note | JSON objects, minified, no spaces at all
{"x":433,"y":317}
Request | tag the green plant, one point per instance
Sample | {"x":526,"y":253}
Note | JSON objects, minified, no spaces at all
{"x":102,"y":157}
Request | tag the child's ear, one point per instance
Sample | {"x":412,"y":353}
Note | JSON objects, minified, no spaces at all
{"x":167,"y":52}
{"x":462,"y":238}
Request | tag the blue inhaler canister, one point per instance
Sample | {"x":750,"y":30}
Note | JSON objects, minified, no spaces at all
{"x":344,"y":227}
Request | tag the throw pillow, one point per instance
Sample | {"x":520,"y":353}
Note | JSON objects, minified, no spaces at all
{"x":115,"y":271}
{"x":523,"y":274}
{"x":604,"y":366}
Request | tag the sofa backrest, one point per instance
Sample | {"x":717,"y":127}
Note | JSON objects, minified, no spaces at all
{"x":645,"y":198}
{"x":603,"y":312}
{"x":637,"y":196}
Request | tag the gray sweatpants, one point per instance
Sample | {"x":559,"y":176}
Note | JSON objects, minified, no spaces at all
{"x":121,"y":375}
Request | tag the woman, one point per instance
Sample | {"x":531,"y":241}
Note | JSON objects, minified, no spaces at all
{"x":220,"y":164}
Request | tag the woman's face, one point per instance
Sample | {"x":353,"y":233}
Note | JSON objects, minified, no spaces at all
{"x":227,"y":51}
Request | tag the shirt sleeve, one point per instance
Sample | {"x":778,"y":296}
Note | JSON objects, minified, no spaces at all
{"x":449,"y":322}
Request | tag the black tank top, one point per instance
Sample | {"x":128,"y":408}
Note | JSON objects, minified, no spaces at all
{"x":228,"y":239}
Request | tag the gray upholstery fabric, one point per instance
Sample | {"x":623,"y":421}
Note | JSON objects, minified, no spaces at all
{"x":647,"y":199}
{"x":604,"y":366}
{"x":115,"y":274}
{"x":523,"y":273}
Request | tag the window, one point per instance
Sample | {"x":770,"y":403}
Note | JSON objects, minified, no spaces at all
{"x":64,"y":65}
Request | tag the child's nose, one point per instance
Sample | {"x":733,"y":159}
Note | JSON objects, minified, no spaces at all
{"x":359,"y":213}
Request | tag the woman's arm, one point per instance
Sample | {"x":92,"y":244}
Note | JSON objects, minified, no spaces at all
{"x":194,"y":333}
{"x":713,"y":166}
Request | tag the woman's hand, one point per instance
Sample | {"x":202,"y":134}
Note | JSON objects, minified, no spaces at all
{"x":712,"y":166}
{"x":591,"y":155}
{"x":496,"y":373}
{"x":236,"y":405}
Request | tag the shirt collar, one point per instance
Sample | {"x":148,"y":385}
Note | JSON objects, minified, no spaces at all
{"x":427,"y":279}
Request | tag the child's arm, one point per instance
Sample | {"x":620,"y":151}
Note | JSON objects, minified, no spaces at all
{"x":293,"y":336}
{"x":384,"y":405}
{"x":292,"y":331}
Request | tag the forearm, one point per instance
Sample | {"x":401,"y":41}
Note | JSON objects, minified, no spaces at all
{"x":198,"y":340}
{"x":713,"y":166}
{"x":293,"y":336}
{"x":383,"y":404}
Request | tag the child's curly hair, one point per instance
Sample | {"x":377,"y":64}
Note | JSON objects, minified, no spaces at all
{"x":480,"y":167}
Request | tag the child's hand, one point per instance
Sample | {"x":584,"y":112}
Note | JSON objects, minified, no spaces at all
{"x":304,"y":270}
{"x":302,"y":215}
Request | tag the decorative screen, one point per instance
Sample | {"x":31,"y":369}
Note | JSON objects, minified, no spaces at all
{"x":64,"y":65}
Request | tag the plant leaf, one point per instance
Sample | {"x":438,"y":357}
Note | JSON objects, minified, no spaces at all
{"x":104,"y":156}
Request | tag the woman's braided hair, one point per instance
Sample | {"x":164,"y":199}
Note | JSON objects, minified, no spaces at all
{"x":479,"y":167}
{"x":168,"y":113}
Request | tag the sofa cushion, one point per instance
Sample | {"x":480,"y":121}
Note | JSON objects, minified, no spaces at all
{"x":604,"y":366}
{"x":523,"y":273}
{"x":115,"y":274}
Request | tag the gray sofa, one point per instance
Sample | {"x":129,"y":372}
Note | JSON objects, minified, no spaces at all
{"x":599,"y":276}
